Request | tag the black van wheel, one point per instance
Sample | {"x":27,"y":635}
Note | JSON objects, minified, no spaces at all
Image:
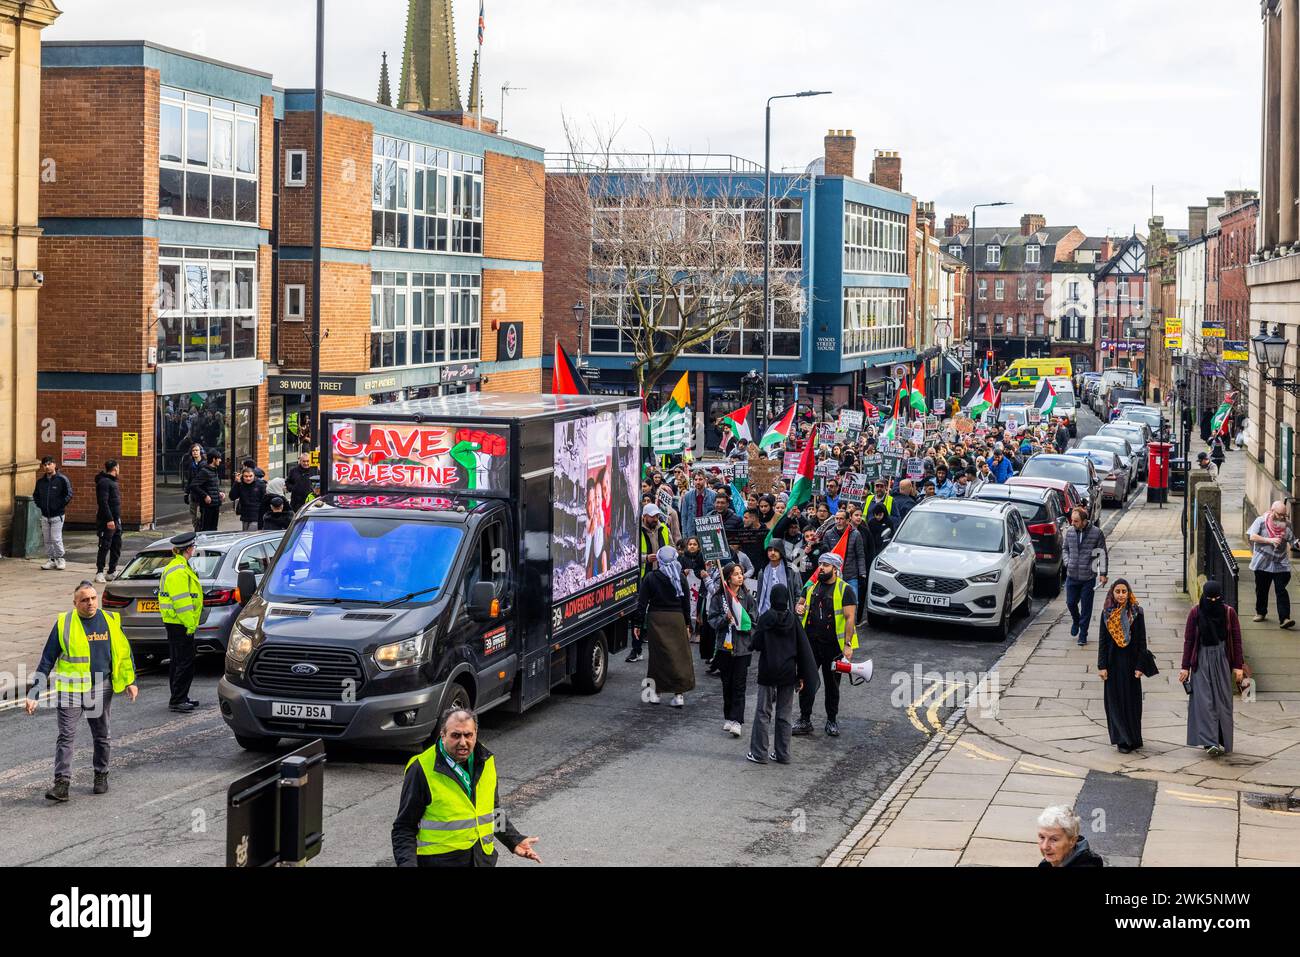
{"x":253,"y":742}
{"x":593,"y":664}
{"x":459,"y":699}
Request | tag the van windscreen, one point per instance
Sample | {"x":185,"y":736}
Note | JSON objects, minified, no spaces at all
{"x":369,"y":560}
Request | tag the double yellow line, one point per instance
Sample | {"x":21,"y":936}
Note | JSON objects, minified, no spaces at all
{"x":938,"y":694}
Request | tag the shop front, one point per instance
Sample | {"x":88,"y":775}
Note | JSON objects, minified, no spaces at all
{"x":213,"y":404}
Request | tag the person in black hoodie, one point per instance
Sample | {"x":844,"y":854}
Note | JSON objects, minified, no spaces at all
{"x":205,"y":488}
{"x":299,"y":481}
{"x":277,"y":515}
{"x":52,"y":494}
{"x":247,"y":494}
{"x":785,"y":665}
{"x":108,"y":521}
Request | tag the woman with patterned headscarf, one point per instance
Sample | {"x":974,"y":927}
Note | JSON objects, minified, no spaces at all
{"x":1122,"y":661}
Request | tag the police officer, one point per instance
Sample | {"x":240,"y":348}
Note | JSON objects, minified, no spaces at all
{"x":829,"y":609}
{"x":180,"y":599}
{"x":90,"y":660}
{"x":448,"y":816}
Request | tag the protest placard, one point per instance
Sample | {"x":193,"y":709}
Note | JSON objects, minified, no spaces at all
{"x":713,"y":538}
{"x":891,"y":464}
{"x":853,"y":487}
{"x":664,"y":498}
{"x":915,"y":468}
{"x":963,"y":424}
{"x":762,"y":473}
{"x":850,"y":420}
{"x":824,"y":471}
{"x":790,"y":464}
{"x":871,"y":466}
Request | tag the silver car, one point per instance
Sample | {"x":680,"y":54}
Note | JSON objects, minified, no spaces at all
{"x":1137,"y":434}
{"x":1116,"y":480}
{"x":218,"y":559}
{"x":954,"y":561}
{"x":1121,"y":446}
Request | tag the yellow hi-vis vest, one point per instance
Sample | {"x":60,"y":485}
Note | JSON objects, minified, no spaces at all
{"x":838,"y":601}
{"x":72,"y":668}
{"x":647,"y":546}
{"x":888,"y":503}
{"x":180,"y":597}
{"x":452,"y":822}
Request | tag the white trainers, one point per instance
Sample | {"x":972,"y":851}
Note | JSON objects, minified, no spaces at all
{"x":61,"y":564}
{"x":678,"y":700}
{"x":726,"y":726}
{"x":734,"y":729}
{"x":48,"y":566}
{"x":652,"y":698}
{"x":99,"y":577}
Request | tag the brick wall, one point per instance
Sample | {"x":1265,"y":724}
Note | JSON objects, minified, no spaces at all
{"x":96,"y":304}
{"x":839,"y":148}
{"x":265,"y":161}
{"x":345,"y":291}
{"x":99,"y":142}
{"x":510,"y":296}
{"x":75,"y":411}
{"x":568,"y":251}
{"x":514,"y":208}
{"x":517,"y":380}
{"x":346,"y":220}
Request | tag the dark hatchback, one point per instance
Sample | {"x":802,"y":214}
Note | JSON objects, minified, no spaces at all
{"x":1040,"y":508}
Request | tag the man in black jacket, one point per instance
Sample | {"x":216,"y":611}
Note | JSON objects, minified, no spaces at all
{"x":299,"y":481}
{"x":108,"y":520}
{"x":458,"y":833}
{"x":248,"y":494}
{"x":855,"y":554}
{"x":205,"y":488}
{"x":731,"y":522}
{"x":52,"y":494}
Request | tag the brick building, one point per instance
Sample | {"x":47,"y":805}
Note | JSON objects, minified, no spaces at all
{"x":177,"y":240}
{"x":1237,"y":228}
{"x":1120,"y":296}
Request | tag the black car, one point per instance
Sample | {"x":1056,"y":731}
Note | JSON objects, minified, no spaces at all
{"x":1046,"y":523}
{"x":1079,"y":472}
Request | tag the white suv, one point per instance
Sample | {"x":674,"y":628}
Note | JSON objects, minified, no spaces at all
{"x":955,"y":561}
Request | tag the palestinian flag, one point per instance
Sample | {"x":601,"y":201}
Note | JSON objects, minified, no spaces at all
{"x":670,"y":426}
{"x":841,"y":549}
{"x":1219,"y":424}
{"x":738,"y":613}
{"x":779,"y":431}
{"x":564,"y":376}
{"x":899,"y":397}
{"x":1045,"y":400}
{"x":737,"y":426}
{"x":916,"y":397}
{"x":871,"y":411}
{"x":979,"y":400}
{"x":801,"y":489}
{"x":890,"y":432}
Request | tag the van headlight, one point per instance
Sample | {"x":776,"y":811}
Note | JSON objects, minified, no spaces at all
{"x":241,"y":641}
{"x":988,"y":578}
{"x":401,"y":654}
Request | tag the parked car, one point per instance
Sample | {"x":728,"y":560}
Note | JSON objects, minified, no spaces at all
{"x":1078,"y":472}
{"x":218,"y":559}
{"x":1137,"y":434}
{"x":1151,"y":416}
{"x":1116,"y":480}
{"x":1114,"y":395}
{"x":955,"y":560}
{"x":1046,"y":520}
{"x":1067,"y":496}
{"x":1121,"y":446}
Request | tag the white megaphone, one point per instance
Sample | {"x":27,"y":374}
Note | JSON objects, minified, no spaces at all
{"x":858,"y":671}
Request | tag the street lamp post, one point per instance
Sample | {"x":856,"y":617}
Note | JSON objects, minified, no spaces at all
{"x":974,"y":252}
{"x":767,"y":238}
{"x":316,"y":226}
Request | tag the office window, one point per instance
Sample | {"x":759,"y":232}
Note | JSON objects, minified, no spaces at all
{"x":207,"y":304}
{"x":425,"y":198}
{"x":295,"y":167}
{"x":983,"y":289}
{"x":875,"y":240}
{"x":999,"y":289}
{"x":1033,"y":253}
{"x":992,"y":254}
{"x":874,"y":320}
{"x":423,"y":318}
{"x":295,"y":298}
{"x":955,"y":251}
{"x":1022,"y":288}
{"x":1040,"y":290}
{"x":207,"y":155}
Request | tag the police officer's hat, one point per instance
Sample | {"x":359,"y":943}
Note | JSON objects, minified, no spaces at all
{"x":183,"y":540}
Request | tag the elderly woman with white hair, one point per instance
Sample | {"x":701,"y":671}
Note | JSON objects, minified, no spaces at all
{"x":664,"y":621}
{"x":1269,"y":535}
{"x":1061,"y":841}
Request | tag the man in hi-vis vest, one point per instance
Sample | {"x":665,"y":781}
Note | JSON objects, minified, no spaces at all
{"x":448,"y":816}
{"x":88,"y":660}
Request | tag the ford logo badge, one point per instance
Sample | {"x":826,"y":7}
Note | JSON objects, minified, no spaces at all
{"x":304,"y":668}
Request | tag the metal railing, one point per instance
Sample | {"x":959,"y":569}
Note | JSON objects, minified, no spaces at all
{"x":1218,"y":562}
{"x":649,"y":163}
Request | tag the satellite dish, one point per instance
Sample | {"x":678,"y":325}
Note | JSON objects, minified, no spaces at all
{"x":816,"y":168}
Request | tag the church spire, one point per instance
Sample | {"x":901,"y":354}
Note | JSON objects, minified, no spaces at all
{"x":475,"y":103}
{"x":430,"y":53}
{"x":385,"y":97}
{"x":410,"y":86}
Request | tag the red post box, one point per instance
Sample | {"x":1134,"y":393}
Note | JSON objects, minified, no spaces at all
{"x":1158,"y":458}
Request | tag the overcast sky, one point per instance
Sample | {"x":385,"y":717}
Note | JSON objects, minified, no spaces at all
{"x":1068,"y":109}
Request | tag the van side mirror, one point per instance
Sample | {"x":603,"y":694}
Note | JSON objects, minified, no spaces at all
{"x":247,"y":585}
{"x":481,"y":597}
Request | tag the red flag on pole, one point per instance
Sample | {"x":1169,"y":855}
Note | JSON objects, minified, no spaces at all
{"x":564,"y":376}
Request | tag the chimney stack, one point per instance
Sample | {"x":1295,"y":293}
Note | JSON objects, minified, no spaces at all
{"x":840,"y":148}
{"x":1236,"y":198}
{"x":925,"y":213}
{"x":887,"y":170}
{"x":1031,"y":223}
{"x":955,"y":224}
{"x":1196,"y":216}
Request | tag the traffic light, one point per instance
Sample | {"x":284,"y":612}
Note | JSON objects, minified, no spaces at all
{"x":989,"y":355}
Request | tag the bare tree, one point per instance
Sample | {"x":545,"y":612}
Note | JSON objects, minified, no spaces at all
{"x":675,"y":252}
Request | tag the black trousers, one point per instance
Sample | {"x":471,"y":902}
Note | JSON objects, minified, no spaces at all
{"x":210,"y":515}
{"x":110,"y":548}
{"x":826,"y":653}
{"x":707,"y":641}
{"x":735,"y":679}
{"x":180,"y":667}
{"x":1278,"y":582}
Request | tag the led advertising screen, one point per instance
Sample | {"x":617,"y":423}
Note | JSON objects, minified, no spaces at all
{"x":415,"y":457}
{"x":594,"y":507}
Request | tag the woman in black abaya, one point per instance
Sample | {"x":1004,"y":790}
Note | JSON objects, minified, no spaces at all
{"x":1122,"y":661}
